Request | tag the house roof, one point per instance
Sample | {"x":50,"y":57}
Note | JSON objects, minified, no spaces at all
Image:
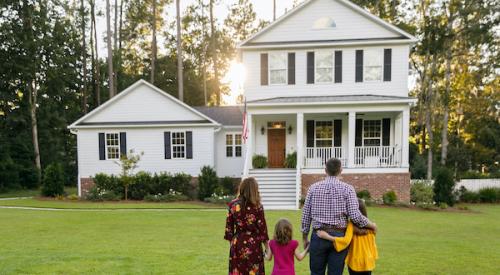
{"x":225,"y":115}
{"x":332,"y":99}
{"x":247,"y":43}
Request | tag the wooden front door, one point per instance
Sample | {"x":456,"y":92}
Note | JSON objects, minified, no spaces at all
{"x":276,"y":142}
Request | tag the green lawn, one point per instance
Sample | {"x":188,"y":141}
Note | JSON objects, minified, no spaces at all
{"x":32,"y":192}
{"x":190,"y":242}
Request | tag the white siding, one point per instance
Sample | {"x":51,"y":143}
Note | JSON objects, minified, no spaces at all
{"x":350,"y":25}
{"x":144,"y":104}
{"x":151,"y":142}
{"x":398,"y":86}
{"x":228,"y":166}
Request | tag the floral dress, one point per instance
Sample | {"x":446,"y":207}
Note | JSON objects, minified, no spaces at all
{"x":246,"y":229}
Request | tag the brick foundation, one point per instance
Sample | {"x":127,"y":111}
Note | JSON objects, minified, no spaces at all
{"x":376,"y":183}
{"x":86,"y":184}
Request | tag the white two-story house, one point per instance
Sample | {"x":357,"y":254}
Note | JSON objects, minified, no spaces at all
{"x":327,"y":79}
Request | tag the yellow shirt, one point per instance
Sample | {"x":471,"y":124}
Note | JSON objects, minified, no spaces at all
{"x":363,"y":251}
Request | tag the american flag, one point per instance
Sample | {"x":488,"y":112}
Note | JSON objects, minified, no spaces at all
{"x":244,"y":133}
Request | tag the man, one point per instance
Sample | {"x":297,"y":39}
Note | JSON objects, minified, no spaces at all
{"x":328,"y":206}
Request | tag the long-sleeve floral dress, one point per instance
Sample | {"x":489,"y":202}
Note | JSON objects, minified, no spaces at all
{"x":246,"y":229}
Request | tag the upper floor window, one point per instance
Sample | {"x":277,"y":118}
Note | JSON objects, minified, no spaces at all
{"x":324,"y":67}
{"x":372,"y":132}
{"x":373,"y":62}
{"x":112,"y":146}
{"x":233,"y":145}
{"x":178,"y":145}
{"x":278,"y":68}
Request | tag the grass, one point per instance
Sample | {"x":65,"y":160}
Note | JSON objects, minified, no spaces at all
{"x":32,"y":192}
{"x":190,"y":242}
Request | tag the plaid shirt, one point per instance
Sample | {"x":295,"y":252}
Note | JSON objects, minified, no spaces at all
{"x":331,"y":202}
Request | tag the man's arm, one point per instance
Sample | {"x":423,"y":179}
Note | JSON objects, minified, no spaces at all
{"x":353,"y":211}
{"x":306,"y":218}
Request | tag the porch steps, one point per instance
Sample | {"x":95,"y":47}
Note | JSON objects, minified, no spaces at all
{"x":276,"y":186}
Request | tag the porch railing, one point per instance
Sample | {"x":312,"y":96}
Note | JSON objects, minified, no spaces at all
{"x":377,"y":156}
{"x":316,"y":157}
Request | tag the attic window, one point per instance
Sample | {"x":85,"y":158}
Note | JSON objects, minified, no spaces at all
{"x":324,"y":23}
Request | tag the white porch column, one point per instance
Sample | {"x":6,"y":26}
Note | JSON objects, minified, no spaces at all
{"x":300,"y":157}
{"x":351,"y":139}
{"x":405,"y":135}
{"x":249,"y":146}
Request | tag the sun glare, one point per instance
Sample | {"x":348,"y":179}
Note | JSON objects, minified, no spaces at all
{"x":234,"y":78}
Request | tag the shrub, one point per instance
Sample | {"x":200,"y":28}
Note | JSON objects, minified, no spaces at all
{"x":443,"y":187}
{"x":443,"y":205}
{"x":171,"y":197}
{"x":226,"y":186}
{"x":53,"y":180}
{"x":181,"y":183}
{"x":110,"y":196}
{"x":143,"y":183}
{"x":471,"y":174}
{"x":73,"y":197}
{"x":465,"y":195}
{"x":425,"y":206}
{"x":259,"y":161}
{"x":93,"y":194}
{"x":489,"y":194}
{"x":291,"y":160}
{"x":421,"y":192}
{"x":364,"y":194}
{"x":161,"y":183}
{"x":418,"y":168}
{"x":225,"y":199}
{"x":9,"y":175}
{"x":389,"y":198}
{"x":207,"y":182}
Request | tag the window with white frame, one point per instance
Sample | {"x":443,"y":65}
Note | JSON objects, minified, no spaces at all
{"x":112,"y":146}
{"x":324,"y":67}
{"x":278,"y":63}
{"x":324,"y":134}
{"x":178,"y":145}
{"x":372,"y":132}
{"x":233,"y":145}
{"x":373,"y":65}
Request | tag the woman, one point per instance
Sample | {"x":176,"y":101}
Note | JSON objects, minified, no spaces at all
{"x":246,"y":230}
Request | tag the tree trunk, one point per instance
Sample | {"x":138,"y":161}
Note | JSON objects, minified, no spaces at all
{"x":110,"y":51}
{"x":115,"y":48}
{"x":180,"y":73}
{"x":428,"y":117}
{"x":33,"y":95}
{"x":153,"y":44}
{"x":84,"y":59}
{"x":120,"y":31}
{"x":214,"y":53}
{"x":96,"y":50}
{"x":92,"y":54}
{"x":446,"y":97}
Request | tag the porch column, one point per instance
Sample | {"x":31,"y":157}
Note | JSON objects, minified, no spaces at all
{"x":249,"y":146}
{"x":300,"y":157}
{"x":405,"y":134}
{"x":351,"y":139}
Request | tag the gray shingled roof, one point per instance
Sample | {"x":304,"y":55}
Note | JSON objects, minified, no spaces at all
{"x":225,"y":115}
{"x":329,"y":99}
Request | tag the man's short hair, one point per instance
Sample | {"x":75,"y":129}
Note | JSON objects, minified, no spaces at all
{"x":333,"y":167}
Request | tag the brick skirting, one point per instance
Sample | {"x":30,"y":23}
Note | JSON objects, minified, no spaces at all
{"x":86,"y":184}
{"x":376,"y":183}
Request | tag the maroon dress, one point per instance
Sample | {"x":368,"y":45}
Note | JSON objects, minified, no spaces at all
{"x":246,"y":229}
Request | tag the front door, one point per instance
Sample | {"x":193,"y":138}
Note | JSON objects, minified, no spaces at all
{"x":276,"y":143}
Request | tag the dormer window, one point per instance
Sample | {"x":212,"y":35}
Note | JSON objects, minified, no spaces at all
{"x":324,"y":23}
{"x":278,"y":68}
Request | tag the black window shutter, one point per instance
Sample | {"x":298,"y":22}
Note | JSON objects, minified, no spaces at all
{"x":264,"y":78}
{"x":310,"y":133}
{"x":166,"y":137}
{"x":359,"y":132}
{"x":102,"y":147}
{"x":386,"y":131}
{"x":337,"y":133}
{"x":291,"y":68}
{"x":310,"y":67}
{"x":123,"y":144}
{"x":189,"y":145}
{"x":359,"y":65}
{"x":387,"y":64}
{"x":338,"y":66}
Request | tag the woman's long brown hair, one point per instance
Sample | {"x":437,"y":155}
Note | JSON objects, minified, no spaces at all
{"x":362,"y":207}
{"x":283,"y":231}
{"x":248,"y":192}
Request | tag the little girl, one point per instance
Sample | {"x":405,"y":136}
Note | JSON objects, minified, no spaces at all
{"x":363,"y":249}
{"x":284,"y":249}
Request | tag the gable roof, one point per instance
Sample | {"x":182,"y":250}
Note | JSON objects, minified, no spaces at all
{"x":225,"y":115}
{"x":403,"y":35}
{"x":81,"y":122}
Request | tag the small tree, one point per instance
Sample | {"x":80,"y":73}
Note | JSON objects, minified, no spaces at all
{"x":207,"y":182}
{"x":53,"y":180}
{"x":127,"y":164}
{"x":443,"y":187}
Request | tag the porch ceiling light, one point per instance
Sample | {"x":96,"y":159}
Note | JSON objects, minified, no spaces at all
{"x":290,"y":129}
{"x":262,"y":130}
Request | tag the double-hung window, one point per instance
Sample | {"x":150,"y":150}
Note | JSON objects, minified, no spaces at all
{"x":178,"y":145}
{"x":324,"y":67}
{"x":112,"y":146}
{"x":278,"y":63}
{"x":373,"y":62}
{"x":233,"y":145}
{"x":372,"y":132}
{"x":324,"y":134}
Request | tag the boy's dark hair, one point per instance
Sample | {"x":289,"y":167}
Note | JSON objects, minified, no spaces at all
{"x":283,"y":231}
{"x":362,"y":207}
{"x":333,"y":167}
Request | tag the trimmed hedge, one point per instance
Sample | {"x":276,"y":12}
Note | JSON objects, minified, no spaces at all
{"x":53,"y":180}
